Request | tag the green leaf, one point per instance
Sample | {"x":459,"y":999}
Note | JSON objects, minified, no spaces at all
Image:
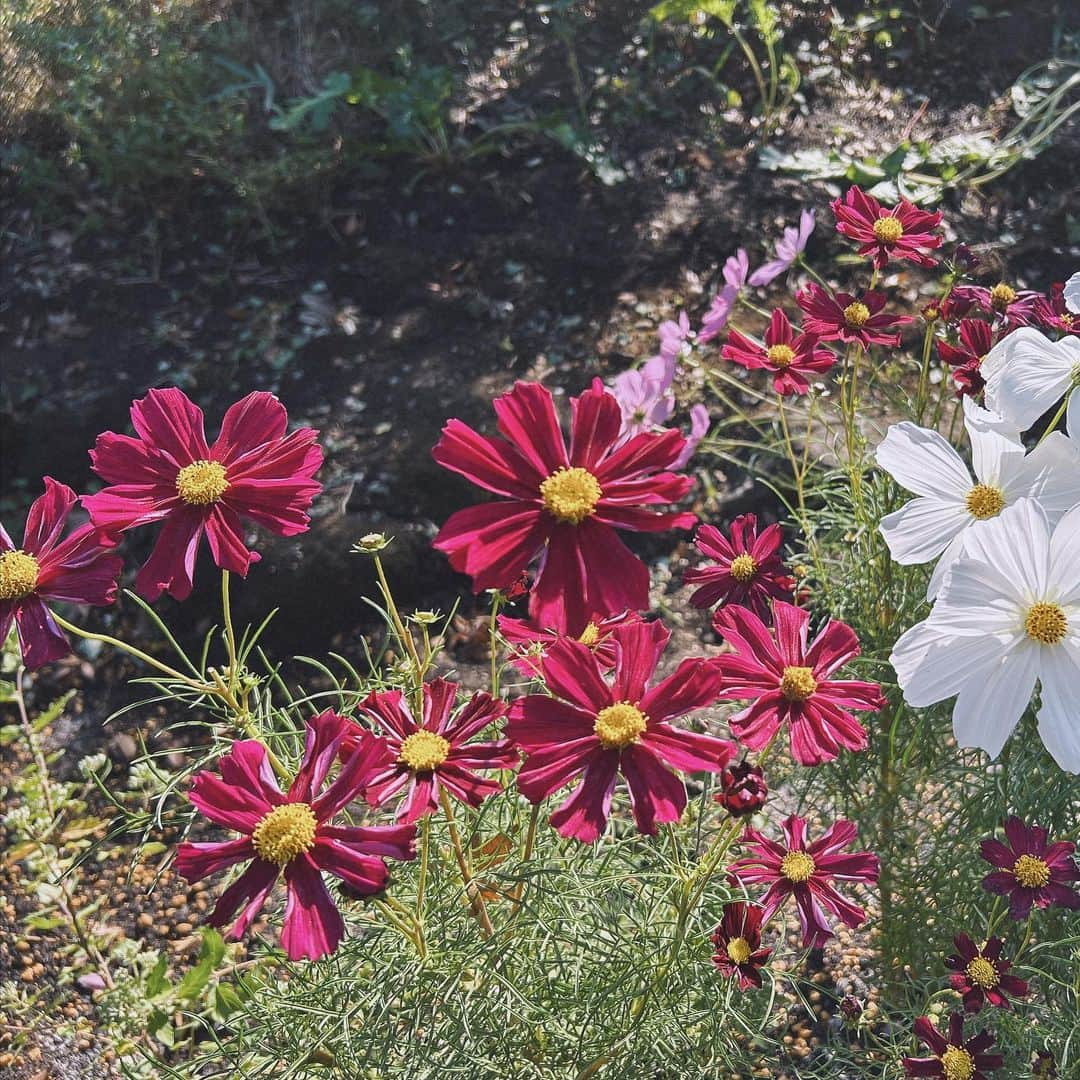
{"x":156,"y":981}
{"x":210,"y":955}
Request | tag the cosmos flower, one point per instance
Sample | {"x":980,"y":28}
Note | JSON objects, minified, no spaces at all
{"x":981,"y":976}
{"x":900,"y":233}
{"x":531,"y":642}
{"x":77,"y":570}
{"x":644,"y":396}
{"x":790,"y":682}
{"x":790,"y":357}
{"x":169,"y":474}
{"x":737,"y":941}
{"x":291,"y":834}
{"x":1027,"y":374}
{"x":1007,"y":617}
{"x":594,"y":730}
{"x":735,"y":270}
{"x":807,"y":872}
{"x":844,"y":317}
{"x":563,"y":505}
{"x":1009,"y":307}
{"x":743,"y":790}
{"x":1031,"y":872}
{"x":676,"y":337}
{"x":954,"y":1058}
{"x":976,"y":339}
{"x":788,"y":250}
{"x":1053,"y":312}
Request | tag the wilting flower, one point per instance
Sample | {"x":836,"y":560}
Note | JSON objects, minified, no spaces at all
{"x":1010,"y":307}
{"x":737,"y":941}
{"x":675,"y":336}
{"x":1043,"y":1065}
{"x":789,"y":682}
{"x":976,"y":339}
{"x":883,"y":234}
{"x":807,"y":872}
{"x":1053,"y":312}
{"x":168,"y":473}
{"x":291,"y":833}
{"x":788,"y":250}
{"x":435,"y":754}
{"x":844,"y":317}
{"x":1007,"y":616}
{"x":789,"y":356}
{"x":950,"y":502}
{"x":954,"y":1057}
{"x":747,"y":567}
{"x":531,"y":642}
{"x":981,"y":976}
{"x":735,"y":271}
{"x":644,"y":396}
{"x":565,"y":505}
{"x":1027,"y":374}
{"x":742,"y":789}
{"x":76,"y":570}
{"x":1031,"y":872}
{"x":594,"y":730}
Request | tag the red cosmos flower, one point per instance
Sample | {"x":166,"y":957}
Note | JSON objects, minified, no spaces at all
{"x":789,"y":357}
{"x":954,"y":1059}
{"x":530,"y":643}
{"x":77,"y":570}
{"x":1053,"y":313}
{"x":434,"y":754}
{"x":169,"y":474}
{"x":899,"y":232}
{"x":806,"y":871}
{"x":291,"y":833}
{"x":748,"y":570}
{"x":1013,"y":307}
{"x":1031,"y":871}
{"x":976,"y":340}
{"x":789,"y":682}
{"x":595,"y":730}
{"x":738,"y":944}
{"x":845,"y":317}
{"x":742,"y":789}
{"x":566,"y":505}
{"x":948,"y":310}
{"x":981,"y":975}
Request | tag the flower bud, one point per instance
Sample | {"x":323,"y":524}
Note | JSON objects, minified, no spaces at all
{"x":742,"y":789}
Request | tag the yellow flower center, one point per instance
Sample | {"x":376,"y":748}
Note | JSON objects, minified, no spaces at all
{"x":620,"y":725}
{"x":202,"y":483}
{"x":984,"y":501}
{"x":1046,"y":623}
{"x":423,"y":751}
{"x":1031,"y":872}
{"x":957,"y":1064}
{"x":797,"y":683}
{"x":857,"y":315}
{"x":287,"y":831}
{"x":738,"y":949}
{"x":797,"y":866}
{"x":590,"y":635}
{"x":982,"y":973}
{"x":1001,"y":296}
{"x":888,"y":230}
{"x":743,"y":567}
{"x":18,"y":575}
{"x":571,"y":494}
{"x":780,"y":355}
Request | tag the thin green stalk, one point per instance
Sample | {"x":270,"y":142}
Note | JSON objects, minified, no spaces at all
{"x":476,"y":901}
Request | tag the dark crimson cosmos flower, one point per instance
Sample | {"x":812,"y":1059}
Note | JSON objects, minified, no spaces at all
{"x":291,"y":833}
{"x":851,"y":1008}
{"x":594,"y":730}
{"x":742,"y":789}
{"x":563,"y":504}
{"x":77,"y":570}
{"x":844,"y":317}
{"x":737,"y":941}
{"x":1053,"y":313}
{"x":1031,"y":872}
{"x":748,"y":569}
{"x":807,"y":872}
{"x":954,"y":1058}
{"x":1013,"y":307}
{"x":948,"y":310}
{"x":976,"y":339}
{"x":790,"y":682}
{"x":980,"y":975}
{"x":530,"y":643}
{"x":883,"y":234}
{"x":436,"y":753}
{"x":789,"y":356}
{"x":168,"y":473}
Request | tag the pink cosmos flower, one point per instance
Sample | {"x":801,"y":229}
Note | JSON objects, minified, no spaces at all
{"x":531,"y":643}
{"x":1009,"y":307}
{"x":846,"y":318}
{"x":737,"y":941}
{"x":291,"y":833}
{"x":76,"y":570}
{"x":966,"y":357}
{"x":747,"y":567}
{"x":564,"y":504}
{"x":897,"y":233}
{"x":675,"y":336}
{"x":790,"y":682}
{"x":1030,"y":871}
{"x":436,"y":753}
{"x":593,"y":730}
{"x":735,"y":270}
{"x":168,"y":473}
{"x":644,"y":396}
{"x":788,"y":250}
{"x":807,"y":872}
{"x":954,"y":1057}
{"x":789,"y":357}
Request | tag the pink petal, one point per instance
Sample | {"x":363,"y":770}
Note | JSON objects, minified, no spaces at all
{"x":253,"y":420}
{"x":693,"y":685}
{"x":197,"y":861}
{"x":225,"y":535}
{"x":492,"y":464}
{"x":40,"y":639}
{"x":657,"y":796}
{"x":596,"y":419}
{"x":120,"y":459}
{"x":313,"y":925}
{"x":584,"y":815}
{"x":572,"y":672}
{"x":169,"y":420}
{"x":45,"y":521}
{"x":493,"y":542}
{"x":526,"y":417}
{"x":322,"y":741}
{"x":171,"y":566}
{"x":639,"y":648}
{"x":251,"y":889}
{"x":366,"y":874}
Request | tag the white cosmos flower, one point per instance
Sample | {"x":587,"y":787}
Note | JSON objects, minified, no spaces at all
{"x":951,"y":502}
{"x":1008,"y":616}
{"x":1072,"y":293}
{"x":1027,"y":374}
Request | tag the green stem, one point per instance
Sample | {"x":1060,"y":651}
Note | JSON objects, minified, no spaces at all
{"x":476,"y":901}
{"x":425,"y":845}
{"x":230,"y":633}
{"x":405,"y":637}
{"x":1051,"y":427}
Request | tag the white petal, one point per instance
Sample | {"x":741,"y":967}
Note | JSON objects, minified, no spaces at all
{"x":1017,"y":544}
{"x":1064,"y":572}
{"x":975,"y":416}
{"x":923,"y":462}
{"x":1049,"y":474}
{"x":945,"y":563}
{"x":994,"y":456}
{"x":1035,"y":375}
{"x":988,"y":708}
{"x":1072,"y":293}
{"x":1059,"y":714}
{"x":1072,"y":415}
{"x":978,"y":598}
{"x":922,"y":529}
